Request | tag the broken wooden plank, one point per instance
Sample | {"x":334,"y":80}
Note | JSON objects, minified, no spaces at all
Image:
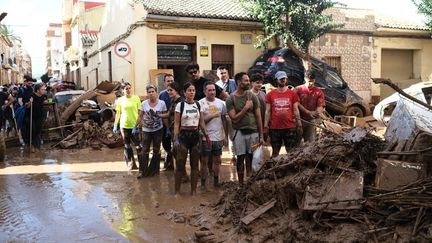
{"x":334,"y":192}
{"x":392,"y":174}
{"x":258,"y":212}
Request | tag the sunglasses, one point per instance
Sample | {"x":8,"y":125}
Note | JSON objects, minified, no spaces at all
{"x":193,"y":72}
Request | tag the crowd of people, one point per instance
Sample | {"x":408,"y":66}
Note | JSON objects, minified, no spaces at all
{"x":22,"y":111}
{"x":199,"y":118}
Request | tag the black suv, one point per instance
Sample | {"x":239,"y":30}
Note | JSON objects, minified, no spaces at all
{"x":340,"y":99}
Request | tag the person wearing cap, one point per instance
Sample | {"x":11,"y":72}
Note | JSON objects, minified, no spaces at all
{"x":127,"y":108}
{"x":311,"y":106}
{"x":151,"y":125}
{"x":282,"y":119}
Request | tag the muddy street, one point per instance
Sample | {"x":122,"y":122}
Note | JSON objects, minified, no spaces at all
{"x":88,"y":195}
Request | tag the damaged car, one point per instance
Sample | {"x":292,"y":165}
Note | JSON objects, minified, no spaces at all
{"x":384,"y":109}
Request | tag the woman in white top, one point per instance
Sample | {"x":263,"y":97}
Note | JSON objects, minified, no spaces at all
{"x":151,"y":124}
{"x":188,"y":119}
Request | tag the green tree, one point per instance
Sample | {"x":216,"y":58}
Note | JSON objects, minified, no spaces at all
{"x":7,"y":32}
{"x":425,"y":8}
{"x":295,"y":23}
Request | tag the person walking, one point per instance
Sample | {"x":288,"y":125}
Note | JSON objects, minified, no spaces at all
{"x":35,"y":116}
{"x":151,"y":125}
{"x":187,"y":140}
{"x":312,"y":103}
{"x":214,"y":112}
{"x":126,"y":116}
{"x":244,"y":110}
{"x":282,"y":115}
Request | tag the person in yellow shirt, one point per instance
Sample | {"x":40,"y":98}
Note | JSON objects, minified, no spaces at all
{"x":126,"y":116}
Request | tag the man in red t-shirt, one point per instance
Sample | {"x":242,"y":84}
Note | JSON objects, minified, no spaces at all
{"x":311,"y":106}
{"x":282,"y":115}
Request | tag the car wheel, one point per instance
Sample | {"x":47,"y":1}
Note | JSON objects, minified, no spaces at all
{"x":354,"y":111}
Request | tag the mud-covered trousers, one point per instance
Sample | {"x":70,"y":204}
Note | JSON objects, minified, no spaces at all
{"x":189,"y":143}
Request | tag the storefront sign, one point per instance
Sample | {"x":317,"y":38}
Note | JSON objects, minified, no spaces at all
{"x":204,"y":51}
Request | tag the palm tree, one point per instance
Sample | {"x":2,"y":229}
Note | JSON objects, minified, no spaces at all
{"x":7,"y":32}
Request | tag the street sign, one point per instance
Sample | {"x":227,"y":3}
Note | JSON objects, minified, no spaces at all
{"x":122,"y":49}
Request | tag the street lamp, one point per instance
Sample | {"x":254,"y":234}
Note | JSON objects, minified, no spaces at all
{"x":2,"y":15}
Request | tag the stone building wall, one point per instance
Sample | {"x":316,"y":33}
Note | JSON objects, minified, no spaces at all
{"x":352,"y":43}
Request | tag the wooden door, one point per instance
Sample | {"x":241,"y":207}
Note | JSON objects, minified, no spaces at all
{"x":223,"y":55}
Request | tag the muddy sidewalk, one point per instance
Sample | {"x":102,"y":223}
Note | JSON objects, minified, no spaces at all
{"x":87,"y":195}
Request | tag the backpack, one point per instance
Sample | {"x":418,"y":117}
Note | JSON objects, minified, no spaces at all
{"x":182,"y":108}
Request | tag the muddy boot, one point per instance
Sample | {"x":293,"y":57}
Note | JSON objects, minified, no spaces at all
{"x":203,"y":185}
{"x":248,"y":161}
{"x":194,"y":181}
{"x":128,"y":155}
{"x":216,"y":181}
{"x":139,"y":157}
{"x":169,"y":165}
{"x":143,"y":166}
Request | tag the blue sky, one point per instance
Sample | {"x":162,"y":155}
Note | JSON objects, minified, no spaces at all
{"x":30,"y":18}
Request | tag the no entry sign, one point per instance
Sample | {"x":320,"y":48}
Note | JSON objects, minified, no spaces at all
{"x":122,"y":49}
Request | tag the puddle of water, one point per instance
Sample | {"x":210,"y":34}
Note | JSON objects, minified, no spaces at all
{"x":67,"y":195}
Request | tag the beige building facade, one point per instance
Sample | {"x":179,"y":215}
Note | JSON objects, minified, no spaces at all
{"x":164,"y":37}
{"x":81,"y":25}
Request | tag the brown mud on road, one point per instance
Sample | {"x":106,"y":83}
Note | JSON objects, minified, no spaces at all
{"x":88,"y":196}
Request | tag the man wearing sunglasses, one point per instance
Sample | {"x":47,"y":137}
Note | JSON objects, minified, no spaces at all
{"x":195,"y":77}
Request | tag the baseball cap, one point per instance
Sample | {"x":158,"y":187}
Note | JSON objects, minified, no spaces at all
{"x":280,"y":75}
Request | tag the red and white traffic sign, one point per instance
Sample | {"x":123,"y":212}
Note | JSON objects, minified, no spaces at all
{"x":122,"y":49}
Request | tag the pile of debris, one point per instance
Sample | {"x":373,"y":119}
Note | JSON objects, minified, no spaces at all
{"x":324,"y":192}
{"x":90,"y":134}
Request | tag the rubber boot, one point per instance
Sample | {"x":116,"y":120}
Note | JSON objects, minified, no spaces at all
{"x":177,"y":181}
{"x":143,"y":166}
{"x":128,"y":155}
{"x":216,"y":181}
{"x":169,"y":165}
{"x":203,"y":185}
{"x":139,"y":157}
{"x":248,"y":161}
{"x":194,"y":181}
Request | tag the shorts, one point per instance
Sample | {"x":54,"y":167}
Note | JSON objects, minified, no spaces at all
{"x":243,"y":142}
{"x":216,"y":148}
{"x":286,"y":136}
{"x":189,"y":138}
